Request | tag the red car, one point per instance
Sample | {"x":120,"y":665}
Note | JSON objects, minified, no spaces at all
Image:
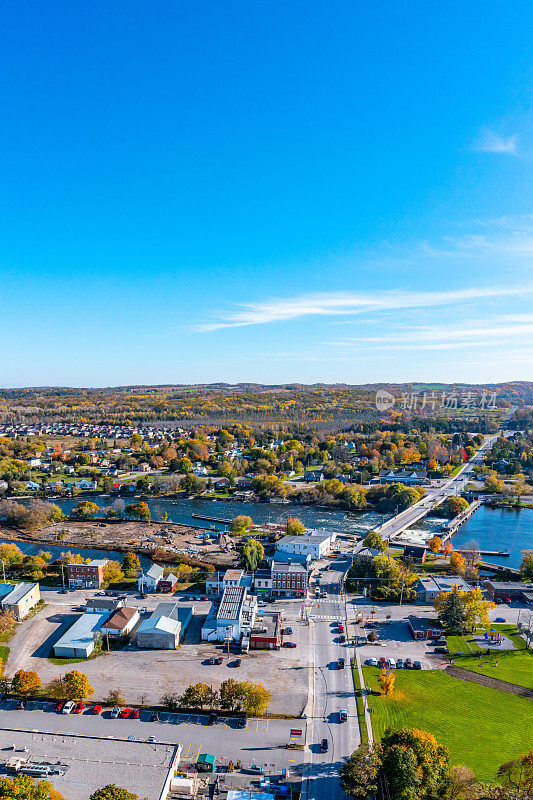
{"x":78,"y":708}
{"x":125,"y":713}
{"x":289,"y":644}
{"x":135,"y":714}
{"x":219,"y":660}
{"x":204,"y":597}
{"x":59,"y":706}
{"x":341,"y":628}
{"x":96,"y":710}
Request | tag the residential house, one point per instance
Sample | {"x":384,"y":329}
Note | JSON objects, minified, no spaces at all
{"x":87,"y":576}
{"x":168,"y":583}
{"x":103,"y":605}
{"x":415,"y":553}
{"x":122,"y":622}
{"x":149,"y":580}
{"x":314,"y":476}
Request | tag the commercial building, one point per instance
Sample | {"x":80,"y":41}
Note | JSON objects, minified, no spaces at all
{"x":168,"y":583}
{"x":409,"y":477}
{"x":501,"y":590}
{"x":79,"y":641}
{"x":219,"y":581}
{"x":316,"y":544}
{"x":20,"y":598}
{"x":234,"y":617}
{"x":424,"y":629}
{"x":263,"y":582}
{"x":121,"y":622}
{"x":427,"y":588}
{"x":266,"y":633}
{"x":87,"y":576}
{"x":165,"y":626}
{"x":289,"y":580}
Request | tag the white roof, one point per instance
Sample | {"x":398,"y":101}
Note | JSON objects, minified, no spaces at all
{"x":161,"y":623}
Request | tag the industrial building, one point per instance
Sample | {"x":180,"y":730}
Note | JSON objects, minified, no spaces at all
{"x":79,"y":640}
{"x":20,"y":598}
{"x":164,"y":627}
{"x":234,"y":617}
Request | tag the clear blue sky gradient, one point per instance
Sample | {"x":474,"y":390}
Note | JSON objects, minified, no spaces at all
{"x":265,"y":192}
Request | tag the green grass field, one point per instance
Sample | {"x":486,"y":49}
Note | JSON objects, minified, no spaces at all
{"x":515,"y":666}
{"x":482,"y":727}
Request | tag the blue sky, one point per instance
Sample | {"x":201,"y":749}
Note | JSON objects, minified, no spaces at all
{"x":274,"y":192}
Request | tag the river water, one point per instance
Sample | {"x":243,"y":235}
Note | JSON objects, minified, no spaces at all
{"x":492,"y":529}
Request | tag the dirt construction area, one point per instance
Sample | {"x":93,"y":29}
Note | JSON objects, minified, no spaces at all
{"x":145,"y":676}
{"x":173,"y":542}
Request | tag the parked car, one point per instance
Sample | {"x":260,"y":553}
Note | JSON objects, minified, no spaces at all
{"x":408,"y":664}
{"x":125,"y":713}
{"x":154,"y":716}
{"x":219,"y":660}
{"x":342,"y":638}
{"x":288,"y":631}
{"x":212,"y":719}
{"x":417,"y":665}
{"x":241,"y":722}
{"x":500,"y":619}
{"x":324,"y":746}
{"x":97,"y":709}
{"x":443,"y":650}
{"x":256,"y":769}
{"x":382,"y":662}
{"x":238,"y":662}
{"x":399,"y":663}
{"x":78,"y":708}
{"x":391,"y":663}
{"x":67,"y":708}
{"x":289,"y":644}
{"x":372,"y":662}
{"x":115,"y":712}
{"x":204,"y":597}
{"x":211,"y":661}
{"x":340,"y":663}
{"x":59,"y":706}
{"x":135,"y":714}
{"x":341,"y":627}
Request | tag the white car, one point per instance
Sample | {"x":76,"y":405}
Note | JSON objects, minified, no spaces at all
{"x":391,"y":663}
{"x":67,"y":708}
{"x":115,"y":712}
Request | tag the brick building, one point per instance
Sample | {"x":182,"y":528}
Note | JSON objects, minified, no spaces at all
{"x":288,"y":579}
{"x":87,"y":576}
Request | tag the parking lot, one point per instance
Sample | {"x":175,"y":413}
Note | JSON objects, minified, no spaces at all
{"x":113,"y":750}
{"x":165,"y":672}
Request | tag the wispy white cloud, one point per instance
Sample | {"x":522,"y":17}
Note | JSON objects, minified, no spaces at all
{"x":329,"y":304}
{"x":492,"y":142}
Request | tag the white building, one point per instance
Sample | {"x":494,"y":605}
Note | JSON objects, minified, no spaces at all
{"x":316,"y":544}
{"x":234,"y":618}
{"x":149,"y":580}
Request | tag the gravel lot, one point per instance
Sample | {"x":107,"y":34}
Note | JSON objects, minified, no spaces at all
{"x":145,"y":676}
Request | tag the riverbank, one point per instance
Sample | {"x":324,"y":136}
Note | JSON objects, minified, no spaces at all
{"x":159,"y":541}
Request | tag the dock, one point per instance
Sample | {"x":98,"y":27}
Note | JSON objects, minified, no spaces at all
{"x":499,"y":553}
{"x":489,"y":567}
{"x":212,"y":519}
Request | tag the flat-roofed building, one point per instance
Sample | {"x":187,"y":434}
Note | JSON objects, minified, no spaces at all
{"x":87,"y":576}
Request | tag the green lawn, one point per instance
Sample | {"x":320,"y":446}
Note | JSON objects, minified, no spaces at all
{"x":359,"y":703}
{"x":4,"y":655}
{"x":482,"y":727}
{"x":515,"y":666}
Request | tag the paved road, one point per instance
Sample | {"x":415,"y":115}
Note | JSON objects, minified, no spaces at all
{"x":332,"y":689}
{"x":435,"y":495}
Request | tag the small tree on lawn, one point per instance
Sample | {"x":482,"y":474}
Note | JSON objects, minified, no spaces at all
{"x":295,"y":526}
{"x":451,"y":610}
{"x":240,"y":524}
{"x":386,"y":681}
{"x":25,"y":682}
{"x":114,"y":698}
{"x":76,"y":685}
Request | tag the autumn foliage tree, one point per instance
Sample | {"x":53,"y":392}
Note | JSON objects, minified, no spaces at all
{"x":386,"y":681}
{"x":25,"y":682}
{"x":435,"y":544}
{"x":76,"y":685}
{"x":457,"y":563}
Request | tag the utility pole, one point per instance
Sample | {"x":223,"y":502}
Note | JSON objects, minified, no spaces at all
{"x":62,"y":573}
{"x":401,"y":593}
{"x":3,"y":570}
